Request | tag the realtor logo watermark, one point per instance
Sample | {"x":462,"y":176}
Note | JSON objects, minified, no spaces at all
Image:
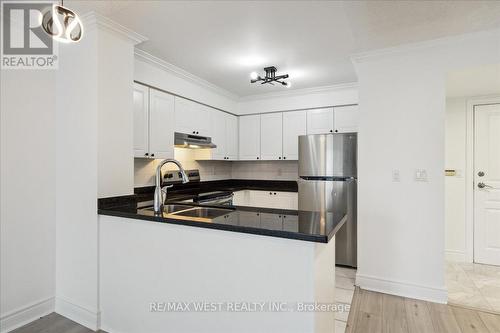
{"x":25,"y":45}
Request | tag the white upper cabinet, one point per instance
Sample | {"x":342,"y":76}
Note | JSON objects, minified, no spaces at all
{"x":219,"y":135}
{"x":231,"y":137}
{"x":154,"y":115}
{"x":320,"y":121}
{"x":224,"y":135}
{"x":271,"y":136}
{"x":161,"y":124}
{"x":141,"y":120}
{"x":249,"y":134}
{"x":346,"y":119}
{"x":192,"y":117}
{"x":294,"y":125}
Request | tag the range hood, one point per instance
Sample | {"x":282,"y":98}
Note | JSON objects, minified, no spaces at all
{"x":183,"y":140}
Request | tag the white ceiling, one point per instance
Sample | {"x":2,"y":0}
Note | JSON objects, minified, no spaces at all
{"x":223,"y":41}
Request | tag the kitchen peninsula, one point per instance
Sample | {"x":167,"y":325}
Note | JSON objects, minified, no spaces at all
{"x":155,"y":271}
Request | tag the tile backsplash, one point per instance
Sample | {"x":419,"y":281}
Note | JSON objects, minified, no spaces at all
{"x":144,"y":169}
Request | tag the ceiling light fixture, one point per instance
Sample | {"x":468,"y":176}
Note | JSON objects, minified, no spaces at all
{"x":270,"y":77}
{"x":63,"y":24}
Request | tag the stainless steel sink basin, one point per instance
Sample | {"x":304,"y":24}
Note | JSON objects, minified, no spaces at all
{"x":203,"y":212}
{"x":195,"y":213}
{"x":170,"y":209}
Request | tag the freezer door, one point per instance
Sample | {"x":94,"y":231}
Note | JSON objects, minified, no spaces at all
{"x":322,"y":196}
{"x":328,"y":155}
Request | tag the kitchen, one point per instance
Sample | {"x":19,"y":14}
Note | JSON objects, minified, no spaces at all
{"x":325,"y":187}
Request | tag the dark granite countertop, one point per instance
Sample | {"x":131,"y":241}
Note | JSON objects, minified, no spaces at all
{"x":292,"y":224}
{"x":189,"y":190}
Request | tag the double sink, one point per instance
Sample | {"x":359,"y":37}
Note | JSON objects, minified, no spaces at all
{"x":197,"y":213}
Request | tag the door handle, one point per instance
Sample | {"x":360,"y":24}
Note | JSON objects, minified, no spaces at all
{"x":483,"y":185}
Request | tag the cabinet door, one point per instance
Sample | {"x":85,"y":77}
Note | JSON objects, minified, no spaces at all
{"x":294,"y":124}
{"x":141,"y":120}
{"x":231,"y":137}
{"x":185,"y":114}
{"x":320,"y":121}
{"x":161,"y":124}
{"x":249,"y":134}
{"x":202,"y":120}
{"x":271,"y":136}
{"x":346,"y":119}
{"x":219,"y":135}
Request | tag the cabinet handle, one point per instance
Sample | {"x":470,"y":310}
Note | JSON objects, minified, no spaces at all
{"x":270,"y":193}
{"x":284,"y":216}
{"x":146,"y":154}
{"x":279,"y":216}
{"x":279,"y":158}
{"x":331,"y":131}
{"x":274,"y":193}
{"x":194,"y":132}
{"x":152,"y":155}
{"x":258,"y":157}
{"x":284,"y":157}
{"x":336,"y":131}
{"x":197,"y":132}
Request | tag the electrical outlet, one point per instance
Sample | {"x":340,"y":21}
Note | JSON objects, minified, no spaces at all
{"x":395,"y":176}
{"x":420,"y":175}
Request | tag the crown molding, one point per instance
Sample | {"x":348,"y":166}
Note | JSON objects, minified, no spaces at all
{"x":181,"y":73}
{"x":298,"y":92}
{"x":94,"y":19}
{"x":410,"y":47}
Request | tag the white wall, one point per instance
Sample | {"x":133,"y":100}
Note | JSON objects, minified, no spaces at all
{"x":157,"y":73}
{"x":115,"y":94}
{"x":27,"y":198}
{"x":94,"y":156}
{"x":265,"y":170}
{"x":401,"y":238}
{"x":77,"y":180}
{"x":300,"y":99}
{"x":455,"y":186}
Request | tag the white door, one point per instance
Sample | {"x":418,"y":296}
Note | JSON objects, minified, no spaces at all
{"x":141,"y":120}
{"x":161,"y":124}
{"x":346,"y":119}
{"x":271,"y":136}
{"x":487,"y":184}
{"x":320,"y":121}
{"x":294,"y":125}
{"x":219,"y":135}
{"x":231,"y":137}
{"x":249,"y":137}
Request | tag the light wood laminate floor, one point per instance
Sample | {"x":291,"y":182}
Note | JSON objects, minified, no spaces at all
{"x":373,"y":312}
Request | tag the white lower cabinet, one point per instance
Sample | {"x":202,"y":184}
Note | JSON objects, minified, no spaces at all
{"x":266,"y":199}
{"x":154,"y":114}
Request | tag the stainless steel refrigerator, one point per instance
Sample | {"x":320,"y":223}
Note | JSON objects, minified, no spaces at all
{"x":327,"y":184}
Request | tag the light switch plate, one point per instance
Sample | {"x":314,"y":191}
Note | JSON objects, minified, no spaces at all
{"x":395,"y":176}
{"x":420,"y":175}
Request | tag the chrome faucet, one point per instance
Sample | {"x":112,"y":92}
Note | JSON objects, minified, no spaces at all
{"x":159,"y":200}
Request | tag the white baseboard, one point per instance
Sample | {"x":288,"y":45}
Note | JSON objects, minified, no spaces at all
{"x":457,"y":256}
{"x":404,"y":289}
{"x":83,"y":316}
{"x":20,"y":317}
